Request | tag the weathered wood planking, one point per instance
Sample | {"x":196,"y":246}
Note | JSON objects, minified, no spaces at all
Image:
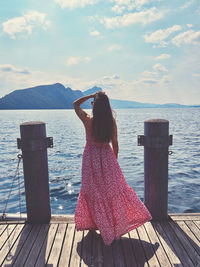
{"x":168,"y":243}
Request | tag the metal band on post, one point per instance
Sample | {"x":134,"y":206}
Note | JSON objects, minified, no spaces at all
{"x":156,"y":140}
{"x":34,"y":145}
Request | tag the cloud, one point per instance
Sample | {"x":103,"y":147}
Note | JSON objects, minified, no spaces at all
{"x":147,"y":73}
{"x":118,"y":9}
{"x":196,"y":74}
{"x":187,"y":4}
{"x":15,"y":77}
{"x":71,"y":4}
{"x":94,"y":33}
{"x":160,"y":35}
{"x":114,"y":47}
{"x":77,"y":60}
{"x":159,"y":67}
{"x":111,"y":78}
{"x":12,"y":69}
{"x":143,"y":17}
{"x":121,"y":5}
{"x":188,"y":37}
{"x":25,"y":24}
{"x":162,"y":56}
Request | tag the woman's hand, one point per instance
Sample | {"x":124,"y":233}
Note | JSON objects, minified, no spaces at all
{"x":93,"y":95}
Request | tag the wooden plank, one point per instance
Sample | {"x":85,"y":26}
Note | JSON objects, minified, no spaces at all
{"x":192,"y":232}
{"x":118,"y":254}
{"x":189,"y":217}
{"x":8,"y":231}
{"x":6,"y":251}
{"x":128,"y":251}
{"x":138,"y":249}
{"x":62,"y":219}
{"x":37,"y":246}
{"x":158,"y":248}
{"x":67,"y":245}
{"x":13,"y":254}
{"x":46,"y":246}
{"x":183,"y":214}
{"x":12,"y":222}
{"x":147,"y":246}
{"x":76,"y":249}
{"x":180,"y":251}
{"x":198,"y":225}
{"x":97,"y":250}
{"x":24,"y":252}
{"x":87,"y":249}
{"x":164,"y":240}
{"x":2,"y":229}
{"x":57,"y":245}
{"x":191,"y":252}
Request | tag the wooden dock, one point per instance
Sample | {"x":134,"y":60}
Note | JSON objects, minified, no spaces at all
{"x":171,"y":243}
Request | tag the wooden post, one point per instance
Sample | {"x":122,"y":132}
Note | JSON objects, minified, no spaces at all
{"x":34,"y":145}
{"x":156,"y":141}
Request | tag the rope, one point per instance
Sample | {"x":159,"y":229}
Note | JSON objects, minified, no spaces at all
{"x":19,"y":156}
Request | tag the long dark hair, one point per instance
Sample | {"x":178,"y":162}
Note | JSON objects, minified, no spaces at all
{"x":102,"y":123}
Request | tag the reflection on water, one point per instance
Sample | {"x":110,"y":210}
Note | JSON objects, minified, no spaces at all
{"x":69,"y":140}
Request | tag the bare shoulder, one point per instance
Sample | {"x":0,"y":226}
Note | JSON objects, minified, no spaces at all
{"x":84,"y":116}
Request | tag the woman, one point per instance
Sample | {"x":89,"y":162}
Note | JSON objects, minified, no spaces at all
{"x":106,"y":202}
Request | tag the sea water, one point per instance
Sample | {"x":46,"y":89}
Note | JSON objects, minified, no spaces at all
{"x":65,"y":157}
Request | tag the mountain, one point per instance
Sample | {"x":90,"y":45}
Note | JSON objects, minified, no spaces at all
{"x":56,"y":96}
{"x":133,"y":104}
{"x":92,"y":90}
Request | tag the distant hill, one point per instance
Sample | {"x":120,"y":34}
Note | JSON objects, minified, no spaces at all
{"x":92,"y":90}
{"x":133,"y":104}
{"x":56,"y":96}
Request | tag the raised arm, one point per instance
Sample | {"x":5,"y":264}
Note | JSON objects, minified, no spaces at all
{"x":79,"y":111}
{"x":114,"y":139}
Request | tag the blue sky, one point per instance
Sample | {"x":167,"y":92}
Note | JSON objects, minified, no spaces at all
{"x":141,"y":50}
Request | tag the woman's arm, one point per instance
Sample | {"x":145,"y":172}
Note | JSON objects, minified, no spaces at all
{"x":79,"y":111}
{"x":114,"y":139}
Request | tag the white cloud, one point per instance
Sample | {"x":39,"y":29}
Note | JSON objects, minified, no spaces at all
{"x":111,"y":78}
{"x":114,"y":47}
{"x":189,"y":25}
{"x":118,"y":9}
{"x":147,"y":73}
{"x":94,"y":33}
{"x":12,"y":69}
{"x":159,"y":36}
{"x":196,"y":74}
{"x":75,"y":3}
{"x":121,"y":5}
{"x":143,"y":17}
{"x":77,"y":60}
{"x":188,"y":37}
{"x":162,"y":56}
{"x":187,"y":4}
{"x":25,"y":24}
{"x":159,"y":67}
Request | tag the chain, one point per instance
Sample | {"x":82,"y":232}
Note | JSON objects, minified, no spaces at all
{"x":19,"y":156}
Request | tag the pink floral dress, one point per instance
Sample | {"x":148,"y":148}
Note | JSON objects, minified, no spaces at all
{"x":106,"y":202}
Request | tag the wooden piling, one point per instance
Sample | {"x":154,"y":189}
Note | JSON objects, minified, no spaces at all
{"x":34,"y":145}
{"x":156,"y":141}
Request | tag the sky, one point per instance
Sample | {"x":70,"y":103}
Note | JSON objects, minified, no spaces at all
{"x":140,"y":50}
